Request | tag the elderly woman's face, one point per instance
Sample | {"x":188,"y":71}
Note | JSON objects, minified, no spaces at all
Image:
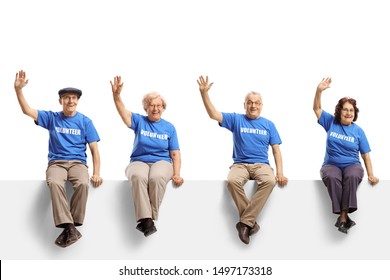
{"x":155,"y":109}
{"x":347,"y":114}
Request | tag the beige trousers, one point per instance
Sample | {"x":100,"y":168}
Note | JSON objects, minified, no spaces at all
{"x":148,"y":182}
{"x":76,"y":172}
{"x":239,"y":174}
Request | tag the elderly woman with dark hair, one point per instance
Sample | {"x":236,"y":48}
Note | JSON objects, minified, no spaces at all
{"x":342,"y":171}
{"x":155,"y":159}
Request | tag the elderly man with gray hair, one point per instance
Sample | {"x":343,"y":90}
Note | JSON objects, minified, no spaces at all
{"x":252,"y":135}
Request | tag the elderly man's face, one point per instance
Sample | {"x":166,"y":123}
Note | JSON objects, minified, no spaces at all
{"x":69,"y":103}
{"x":253,"y":105}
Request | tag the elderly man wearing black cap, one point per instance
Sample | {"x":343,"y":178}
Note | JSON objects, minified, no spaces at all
{"x":69,"y":132}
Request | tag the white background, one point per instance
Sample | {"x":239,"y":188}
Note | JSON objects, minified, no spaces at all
{"x":280,"y":48}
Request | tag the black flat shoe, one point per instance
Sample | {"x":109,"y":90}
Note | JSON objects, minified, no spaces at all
{"x":337,"y":224}
{"x":150,"y":231}
{"x":140,"y":227}
{"x":343,"y":227}
{"x":350,"y":223}
{"x":144,"y":223}
{"x":148,"y":227}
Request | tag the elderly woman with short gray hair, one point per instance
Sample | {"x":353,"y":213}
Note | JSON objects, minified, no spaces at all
{"x":155,"y":159}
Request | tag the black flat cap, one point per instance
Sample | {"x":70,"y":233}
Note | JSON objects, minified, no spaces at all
{"x":70,"y":90}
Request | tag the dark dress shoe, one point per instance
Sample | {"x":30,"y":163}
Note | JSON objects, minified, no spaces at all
{"x":243,"y":232}
{"x":254,"y":230}
{"x":343,"y":227}
{"x":72,"y":235}
{"x":61,"y":239}
{"x":68,"y":237}
{"x":79,"y":235}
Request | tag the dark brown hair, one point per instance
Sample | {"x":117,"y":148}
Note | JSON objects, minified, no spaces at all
{"x":339,"y":107}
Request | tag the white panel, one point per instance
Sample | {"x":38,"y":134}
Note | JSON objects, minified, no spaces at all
{"x":197,"y":221}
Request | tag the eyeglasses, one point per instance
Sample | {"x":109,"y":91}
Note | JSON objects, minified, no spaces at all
{"x":250,"y":103}
{"x":346,"y":110}
{"x":152,"y":106}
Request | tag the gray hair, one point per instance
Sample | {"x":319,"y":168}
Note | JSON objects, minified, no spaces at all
{"x":150,"y":96}
{"x":252,"y":93}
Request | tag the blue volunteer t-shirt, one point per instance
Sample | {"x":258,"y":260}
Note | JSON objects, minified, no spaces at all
{"x":343,"y":142}
{"x":153,"y":140}
{"x":251,"y":137}
{"x":68,"y":136}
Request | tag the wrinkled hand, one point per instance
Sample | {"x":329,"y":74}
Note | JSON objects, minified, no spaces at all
{"x":177,"y":180}
{"x":373,"y":180}
{"x":96,"y":180}
{"x":117,"y":85}
{"x":324,"y":84}
{"x":204,"y":84}
{"x":20,"y":80}
{"x":282,"y":181}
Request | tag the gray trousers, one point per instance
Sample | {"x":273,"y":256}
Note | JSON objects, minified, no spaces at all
{"x":148,"y":182}
{"x":76,"y":172}
{"x":342,"y":186}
